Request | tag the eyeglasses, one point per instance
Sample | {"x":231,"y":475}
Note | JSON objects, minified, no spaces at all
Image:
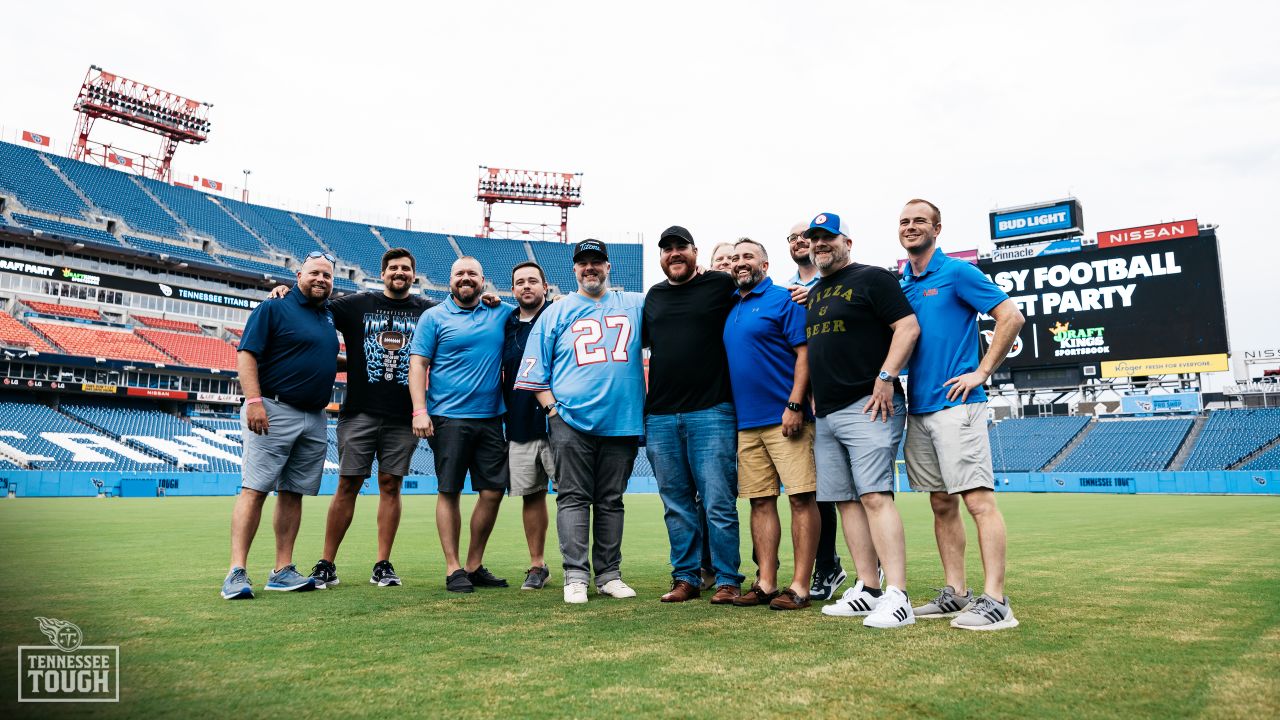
{"x":322,"y":254}
{"x":792,"y":238}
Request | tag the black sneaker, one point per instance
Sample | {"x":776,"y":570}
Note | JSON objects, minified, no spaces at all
{"x":458,"y":582}
{"x":384,"y":575}
{"x":325,"y":574}
{"x":483,"y":578}
{"x":825,"y":583}
{"x":535,"y":578}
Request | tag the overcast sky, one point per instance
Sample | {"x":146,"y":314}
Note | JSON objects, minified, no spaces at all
{"x":732,"y":119}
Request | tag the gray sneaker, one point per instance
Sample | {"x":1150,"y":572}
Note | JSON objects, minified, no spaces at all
{"x":535,"y":578}
{"x":947,"y":604}
{"x":237,"y":585}
{"x":986,"y":613}
{"x":288,"y":579}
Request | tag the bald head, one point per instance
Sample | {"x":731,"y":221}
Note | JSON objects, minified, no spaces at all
{"x":466,"y":281}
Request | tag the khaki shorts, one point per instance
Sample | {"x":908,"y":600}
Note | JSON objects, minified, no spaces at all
{"x":531,"y":465}
{"x":949,"y":450}
{"x":766,"y":458}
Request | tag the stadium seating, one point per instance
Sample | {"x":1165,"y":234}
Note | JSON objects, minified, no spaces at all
{"x":15,"y":334}
{"x":497,"y":257}
{"x":274,"y":270}
{"x":172,"y":249}
{"x":140,"y":425}
{"x":1028,"y":444}
{"x":1269,"y":460}
{"x":1128,"y":445}
{"x":116,"y":193}
{"x":352,"y":243}
{"x":198,"y":210}
{"x":276,"y":227}
{"x":432,"y":252}
{"x":236,"y":331}
{"x":166,"y":324}
{"x":199,"y":351}
{"x":556,"y":260}
{"x":24,"y":175}
{"x":627,"y":263}
{"x":344,"y":285}
{"x":46,"y":433}
{"x":1231,"y":435}
{"x":65,"y":229}
{"x":67,"y":311}
{"x":91,"y":341}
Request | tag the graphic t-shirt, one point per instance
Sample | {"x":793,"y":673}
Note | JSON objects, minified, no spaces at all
{"x":847,"y":325}
{"x":377,"y":330}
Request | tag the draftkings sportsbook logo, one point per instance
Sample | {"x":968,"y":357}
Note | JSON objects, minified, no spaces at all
{"x":1081,"y":341}
{"x":67,"y":670}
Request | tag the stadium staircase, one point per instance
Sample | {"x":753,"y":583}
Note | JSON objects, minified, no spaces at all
{"x":182,"y":224}
{"x":1070,"y":447}
{"x":1189,"y":444}
{"x":93,"y":209}
{"x":1270,"y":452}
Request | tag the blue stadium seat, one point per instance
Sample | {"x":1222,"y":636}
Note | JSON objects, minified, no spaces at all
{"x":1231,"y":435}
{"x":556,"y":260}
{"x":276,"y":271}
{"x":115,"y":192}
{"x":131,"y":422}
{"x":627,"y":262}
{"x":1269,"y":460}
{"x":432,"y":252}
{"x":353,"y":243}
{"x":198,"y":210}
{"x":47,"y":433}
{"x":496,"y":256}
{"x":23,"y":174}
{"x":1128,"y":446}
{"x":277,"y":227}
{"x":78,"y":232}
{"x":173,"y":250}
{"x":1028,"y":444}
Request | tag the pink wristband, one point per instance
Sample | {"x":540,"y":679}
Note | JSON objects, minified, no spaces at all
{"x":251,"y":401}
{"x":416,"y":413}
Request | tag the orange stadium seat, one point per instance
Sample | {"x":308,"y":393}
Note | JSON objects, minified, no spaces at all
{"x":70,"y":311}
{"x":100,"y":342}
{"x":164,"y":324}
{"x":13,"y":333}
{"x":193,"y":350}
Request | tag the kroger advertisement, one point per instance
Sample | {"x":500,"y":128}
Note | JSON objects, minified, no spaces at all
{"x":1153,"y":308}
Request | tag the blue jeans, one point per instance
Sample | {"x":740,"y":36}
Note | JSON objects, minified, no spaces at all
{"x":695,"y":455}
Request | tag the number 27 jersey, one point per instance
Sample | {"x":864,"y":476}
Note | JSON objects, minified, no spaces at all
{"x":588,"y":353}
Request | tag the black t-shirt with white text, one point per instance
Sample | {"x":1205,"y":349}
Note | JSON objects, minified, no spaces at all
{"x":847,"y":326}
{"x":684,"y":330}
{"x":378,"y":331}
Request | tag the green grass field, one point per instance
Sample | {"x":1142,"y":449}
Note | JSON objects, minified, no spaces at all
{"x":1151,"y":606}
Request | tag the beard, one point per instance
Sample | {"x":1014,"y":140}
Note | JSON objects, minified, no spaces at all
{"x":532,"y":303}
{"x":464,"y":292}
{"x":593,"y":284}
{"x":753,"y":278}
{"x":681,"y":275}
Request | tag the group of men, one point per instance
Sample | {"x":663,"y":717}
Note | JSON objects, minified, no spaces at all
{"x":752,"y":389}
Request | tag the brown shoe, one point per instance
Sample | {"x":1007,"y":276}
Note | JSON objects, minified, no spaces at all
{"x":754,"y":596}
{"x":681,"y":591}
{"x":789,"y":600}
{"x":726,"y":594}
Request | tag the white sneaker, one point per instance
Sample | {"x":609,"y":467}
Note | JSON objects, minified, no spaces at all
{"x":617,"y":589}
{"x":575,"y":593}
{"x":893,"y":610}
{"x":855,"y":601}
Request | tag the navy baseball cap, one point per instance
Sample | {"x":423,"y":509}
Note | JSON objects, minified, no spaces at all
{"x":829,"y":222}
{"x":590,"y":246}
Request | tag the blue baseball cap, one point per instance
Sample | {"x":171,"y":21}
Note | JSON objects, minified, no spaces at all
{"x":829,"y":222}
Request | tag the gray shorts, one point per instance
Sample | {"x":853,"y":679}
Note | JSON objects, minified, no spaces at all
{"x":949,"y":450}
{"x":530,"y":465}
{"x":290,"y":457}
{"x":854,"y":453}
{"x":363,"y":436}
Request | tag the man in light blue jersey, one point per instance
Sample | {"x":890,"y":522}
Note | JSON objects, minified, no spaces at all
{"x":583,"y":360}
{"x":459,"y":342}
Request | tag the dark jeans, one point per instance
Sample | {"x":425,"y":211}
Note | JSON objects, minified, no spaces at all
{"x":592,"y":471}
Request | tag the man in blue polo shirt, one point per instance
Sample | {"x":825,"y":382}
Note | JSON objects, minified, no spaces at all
{"x":287,"y":361}
{"x":460,"y":343}
{"x":947,"y":449}
{"x":769,"y":372}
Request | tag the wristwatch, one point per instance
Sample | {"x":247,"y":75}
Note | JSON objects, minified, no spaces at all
{"x":548,"y":408}
{"x":793,"y":407}
{"x":885,"y":377}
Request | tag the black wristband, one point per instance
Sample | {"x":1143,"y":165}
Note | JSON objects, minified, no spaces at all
{"x":793,"y":407}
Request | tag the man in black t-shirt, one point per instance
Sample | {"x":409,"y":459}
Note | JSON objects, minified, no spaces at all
{"x":861,"y":331}
{"x":690,"y":424}
{"x":375,"y":420}
{"x":529,"y":459}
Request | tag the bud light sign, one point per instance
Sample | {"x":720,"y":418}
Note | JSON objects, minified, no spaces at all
{"x":1042,"y":221}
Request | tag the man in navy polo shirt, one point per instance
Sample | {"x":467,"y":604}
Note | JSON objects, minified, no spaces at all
{"x":769,"y":372}
{"x":287,"y":360}
{"x":947,"y":449}
{"x":460,"y":343}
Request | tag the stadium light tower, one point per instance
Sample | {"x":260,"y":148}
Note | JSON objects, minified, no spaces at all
{"x":328,"y":202}
{"x":408,"y":222}
{"x":108,"y":96}
{"x":529,"y":187}
{"x":244,"y":190}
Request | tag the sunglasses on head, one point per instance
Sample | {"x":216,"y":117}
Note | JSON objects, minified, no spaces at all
{"x":322,"y":254}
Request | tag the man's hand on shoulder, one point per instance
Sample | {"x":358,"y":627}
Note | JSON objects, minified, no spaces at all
{"x":799,"y":293}
{"x":279,"y":291}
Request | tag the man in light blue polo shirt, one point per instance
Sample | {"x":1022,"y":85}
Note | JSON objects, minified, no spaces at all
{"x":459,"y":342}
{"x":947,"y":449}
{"x":765,"y":341}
